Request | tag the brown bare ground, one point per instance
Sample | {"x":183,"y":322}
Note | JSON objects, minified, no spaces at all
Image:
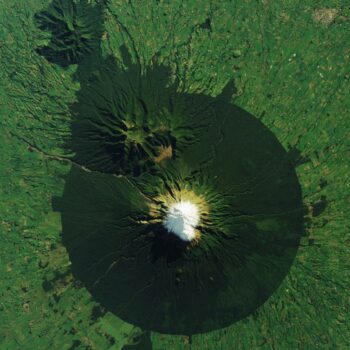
{"x":164,"y":153}
{"x":325,"y":15}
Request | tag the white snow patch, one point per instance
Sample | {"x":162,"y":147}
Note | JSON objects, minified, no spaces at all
{"x":181,"y":219}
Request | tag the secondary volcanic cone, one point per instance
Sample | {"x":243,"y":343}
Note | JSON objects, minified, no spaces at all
{"x":74,"y":30}
{"x":127,"y":123}
{"x":187,"y":245}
